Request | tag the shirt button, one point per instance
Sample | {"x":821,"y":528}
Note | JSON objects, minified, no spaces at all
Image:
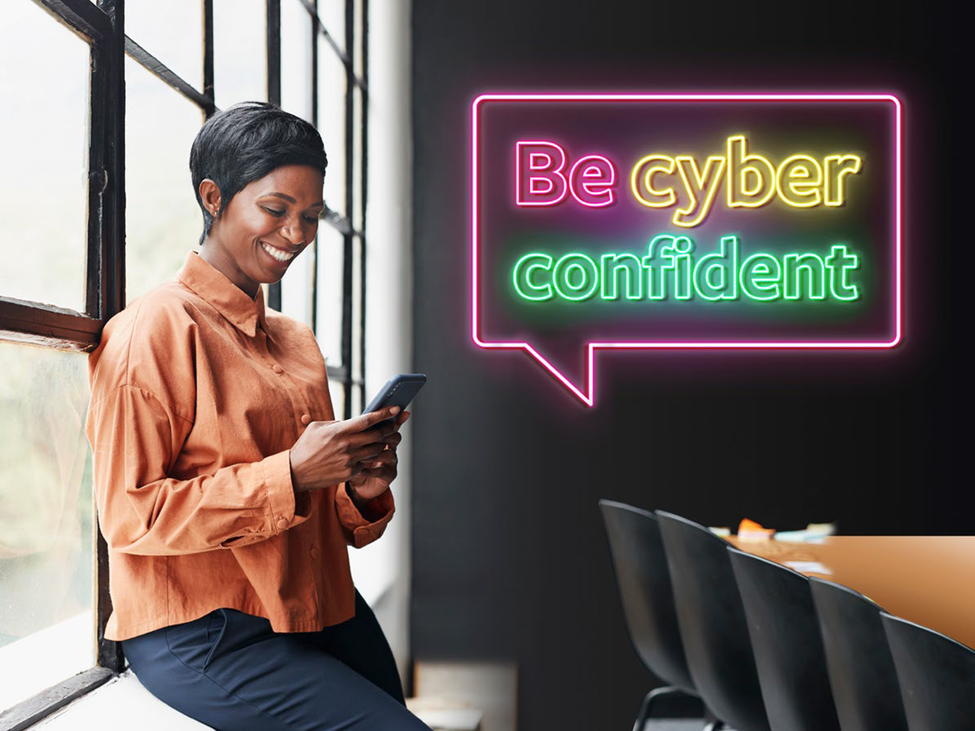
{"x":277,"y":369}
{"x":314,"y":553}
{"x":305,"y":419}
{"x":282,"y":522}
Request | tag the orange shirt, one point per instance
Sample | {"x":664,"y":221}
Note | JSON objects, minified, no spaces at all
{"x":198,"y":394}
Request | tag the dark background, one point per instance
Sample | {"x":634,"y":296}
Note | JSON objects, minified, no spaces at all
{"x":509,"y":555}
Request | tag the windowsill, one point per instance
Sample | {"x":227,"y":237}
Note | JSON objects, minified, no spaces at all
{"x":45,"y":657}
{"x":115,"y":705}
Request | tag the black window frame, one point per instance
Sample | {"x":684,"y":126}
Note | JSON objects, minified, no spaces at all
{"x":21,"y":321}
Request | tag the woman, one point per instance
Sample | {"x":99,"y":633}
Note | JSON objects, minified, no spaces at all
{"x":226,"y":491}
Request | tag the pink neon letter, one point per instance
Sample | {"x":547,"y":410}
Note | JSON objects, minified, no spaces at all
{"x":591,"y":181}
{"x":543,"y":163}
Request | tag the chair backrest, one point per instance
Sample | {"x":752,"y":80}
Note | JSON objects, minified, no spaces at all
{"x":861,"y":669}
{"x":787,"y":644}
{"x":936,"y":676}
{"x":712,"y":623}
{"x":644,"y":585}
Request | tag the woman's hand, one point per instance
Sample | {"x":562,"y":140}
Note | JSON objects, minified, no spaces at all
{"x":375,"y":478}
{"x":330,"y":452}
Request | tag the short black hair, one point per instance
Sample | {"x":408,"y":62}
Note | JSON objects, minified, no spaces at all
{"x":245,"y":142}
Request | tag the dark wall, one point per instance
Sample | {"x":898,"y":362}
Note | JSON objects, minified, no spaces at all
{"x":509,"y":555}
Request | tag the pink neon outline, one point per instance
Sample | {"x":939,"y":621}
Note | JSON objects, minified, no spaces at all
{"x":531,"y":160}
{"x":557,"y":171}
{"x":608,"y":184}
{"x":588,"y":397}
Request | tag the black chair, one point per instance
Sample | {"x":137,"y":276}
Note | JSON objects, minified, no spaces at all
{"x":648,"y":601}
{"x":936,"y":675}
{"x":861,"y":669}
{"x":712,"y":623}
{"x":787,"y":644}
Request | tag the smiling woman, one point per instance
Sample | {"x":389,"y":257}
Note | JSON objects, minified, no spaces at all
{"x":227,"y":491}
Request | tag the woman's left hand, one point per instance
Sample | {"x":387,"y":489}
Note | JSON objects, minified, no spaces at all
{"x":375,"y":479}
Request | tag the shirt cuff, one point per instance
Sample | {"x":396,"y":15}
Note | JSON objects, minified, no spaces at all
{"x":362,"y":530}
{"x":281,"y":498}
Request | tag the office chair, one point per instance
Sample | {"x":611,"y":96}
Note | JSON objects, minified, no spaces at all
{"x":936,"y":675}
{"x":644,"y":586}
{"x":712,"y":624}
{"x":861,"y":669}
{"x":788,"y":647}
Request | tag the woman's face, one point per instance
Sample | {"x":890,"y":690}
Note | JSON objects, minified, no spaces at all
{"x":265,"y":226}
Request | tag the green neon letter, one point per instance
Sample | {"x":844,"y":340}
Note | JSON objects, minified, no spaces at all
{"x":522,"y":275}
{"x":812,"y":264}
{"x":839,"y":285}
{"x":759,"y":277}
{"x":575,"y":277}
{"x":715,"y":275}
{"x":629,"y":264}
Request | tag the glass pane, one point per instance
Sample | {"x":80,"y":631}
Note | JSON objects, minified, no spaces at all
{"x":357,"y":369}
{"x":172,"y":32}
{"x":44,"y":74}
{"x":332,"y":15}
{"x":296,"y":35}
{"x":359,"y":37}
{"x":330,"y":246}
{"x":357,"y":134}
{"x":46,"y":519}
{"x":162,"y":220}
{"x":358,"y":402}
{"x":239,"y":51}
{"x":296,"y":286}
{"x":336,"y":390}
{"x":331,"y":124}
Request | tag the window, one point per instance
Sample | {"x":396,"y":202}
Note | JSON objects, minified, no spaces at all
{"x":123,"y":96}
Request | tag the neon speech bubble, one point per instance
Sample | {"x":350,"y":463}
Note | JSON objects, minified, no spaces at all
{"x":684,"y":221}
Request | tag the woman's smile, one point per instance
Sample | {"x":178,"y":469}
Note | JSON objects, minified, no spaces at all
{"x":279,"y":256}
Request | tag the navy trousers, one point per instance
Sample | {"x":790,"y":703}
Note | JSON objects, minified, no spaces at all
{"x":230,"y":671}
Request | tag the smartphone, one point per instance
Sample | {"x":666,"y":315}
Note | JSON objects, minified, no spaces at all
{"x":398,"y":391}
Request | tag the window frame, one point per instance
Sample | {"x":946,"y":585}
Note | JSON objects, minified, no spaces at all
{"x":102,"y":26}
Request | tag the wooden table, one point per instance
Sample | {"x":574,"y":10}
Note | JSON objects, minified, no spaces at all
{"x":929,"y":580}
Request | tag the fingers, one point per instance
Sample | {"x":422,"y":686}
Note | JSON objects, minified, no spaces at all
{"x":380,"y":460}
{"x":385,"y":474}
{"x":370,"y":419}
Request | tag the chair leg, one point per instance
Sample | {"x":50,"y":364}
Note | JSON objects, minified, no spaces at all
{"x":647,"y":705}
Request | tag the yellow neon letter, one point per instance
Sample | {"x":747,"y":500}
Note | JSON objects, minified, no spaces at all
{"x":741,"y":166}
{"x":837,"y":168}
{"x":642,"y":180}
{"x":798,"y":181}
{"x":697,"y":183}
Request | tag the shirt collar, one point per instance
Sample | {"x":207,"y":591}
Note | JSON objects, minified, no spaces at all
{"x":228,"y":299}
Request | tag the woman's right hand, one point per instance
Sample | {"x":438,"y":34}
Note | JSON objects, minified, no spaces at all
{"x":330,"y":452}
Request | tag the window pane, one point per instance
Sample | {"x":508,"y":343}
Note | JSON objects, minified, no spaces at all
{"x":296,"y":37}
{"x":296,"y":286}
{"x":162,"y":220}
{"x":357,"y":133}
{"x":357,"y":368}
{"x":239,"y":51}
{"x":44,"y":74}
{"x":358,"y":58}
{"x":330,"y":245}
{"x":358,"y":402}
{"x":46,"y":518}
{"x":337,"y":391}
{"x":331,"y":124}
{"x":332,"y":15}
{"x":172,"y":32}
